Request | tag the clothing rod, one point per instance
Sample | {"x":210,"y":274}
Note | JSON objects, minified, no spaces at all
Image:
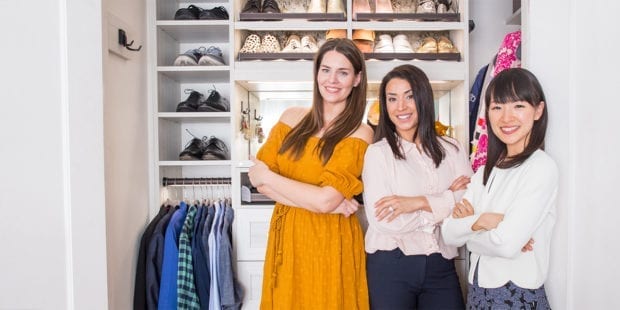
{"x":195,"y":181}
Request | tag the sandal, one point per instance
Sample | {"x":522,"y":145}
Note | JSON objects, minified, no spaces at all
{"x":444,"y":45}
{"x":429,"y":45}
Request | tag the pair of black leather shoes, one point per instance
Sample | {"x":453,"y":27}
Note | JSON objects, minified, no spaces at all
{"x":254,"y":6}
{"x":194,"y":12}
{"x":195,"y":103}
{"x":205,"y":149}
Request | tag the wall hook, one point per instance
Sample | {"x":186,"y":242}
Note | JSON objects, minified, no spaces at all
{"x":122,"y":40}
{"x":245,"y":111}
{"x":259,"y":118}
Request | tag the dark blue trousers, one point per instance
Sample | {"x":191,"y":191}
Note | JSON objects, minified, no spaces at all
{"x":398,"y":282}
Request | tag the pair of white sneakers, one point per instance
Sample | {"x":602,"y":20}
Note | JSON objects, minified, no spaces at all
{"x":307,"y":44}
{"x":398,"y":44}
{"x":326,"y":6}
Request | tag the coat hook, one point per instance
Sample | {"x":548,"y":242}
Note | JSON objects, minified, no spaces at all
{"x":259,"y":118}
{"x":122,"y":40}
{"x":245,"y":111}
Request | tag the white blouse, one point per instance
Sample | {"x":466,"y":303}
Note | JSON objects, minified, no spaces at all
{"x":415,"y":233}
{"x":526,"y":195}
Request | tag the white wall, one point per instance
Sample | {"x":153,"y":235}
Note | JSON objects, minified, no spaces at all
{"x":126,"y":149}
{"x":490,"y":18}
{"x":567,"y":52}
{"x":568,"y":45}
{"x":552,"y":66}
{"x":52,"y":153}
{"x":52,"y":201}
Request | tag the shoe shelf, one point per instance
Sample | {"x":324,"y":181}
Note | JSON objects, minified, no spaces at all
{"x":196,"y":74}
{"x":292,"y":16}
{"x":412,"y":56}
{"x":290,"y":25}
{"x":282,"y":70}
{"x":174,"y":136}
{"x":276,"y":70}
{"x":274,"y":56}
{"x":409,"y":26}
{"x":435,"y":70}
{"x":426,"y":17}
{"x":193,"y":30}
{"x":181,"y":163}
{"x":196,"y":117}
{"x":376,"y":56}
{"x":166,"y":9}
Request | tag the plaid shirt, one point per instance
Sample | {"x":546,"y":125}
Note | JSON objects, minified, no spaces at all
{"x":187,"y":298}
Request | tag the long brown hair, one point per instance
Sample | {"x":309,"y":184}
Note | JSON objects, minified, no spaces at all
{"x":346,"y":123}
{"x":510,"y":85}
{"x":425,"y":106}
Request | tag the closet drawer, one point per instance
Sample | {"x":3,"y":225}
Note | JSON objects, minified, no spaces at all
{"x":251,"y":231}
{"x":250,"y":275}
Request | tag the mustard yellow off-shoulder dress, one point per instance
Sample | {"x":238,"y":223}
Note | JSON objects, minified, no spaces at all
{"x":315,"y":261}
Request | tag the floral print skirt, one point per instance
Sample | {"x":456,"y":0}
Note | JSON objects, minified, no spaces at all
{"x":508,"y":296}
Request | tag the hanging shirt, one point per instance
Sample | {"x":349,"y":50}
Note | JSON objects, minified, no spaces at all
{"x":139,"y":293}
{"x":474,"y":99}
{"x":230,"y":291}
{"x":201,"y":262}
{"x":214,"y":294}
{"x":155,"y":260}
{"x":168,"y":288}
{"x":187,"y":298}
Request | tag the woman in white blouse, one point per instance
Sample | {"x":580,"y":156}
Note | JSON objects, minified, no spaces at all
{"x":510,"y":202}
{"x":412,"y":179}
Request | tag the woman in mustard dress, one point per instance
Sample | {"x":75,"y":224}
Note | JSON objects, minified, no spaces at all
{"x":311,"y":166}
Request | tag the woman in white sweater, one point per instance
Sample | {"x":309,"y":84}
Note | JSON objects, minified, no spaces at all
{"x":506,"y":216}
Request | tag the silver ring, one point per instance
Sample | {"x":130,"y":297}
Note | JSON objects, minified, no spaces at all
{"x":391,"y":209}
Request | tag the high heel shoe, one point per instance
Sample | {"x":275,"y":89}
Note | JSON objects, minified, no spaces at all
{"x":360,"y":6}
{"x":383,"y":6}
{"x":335,"y":6}
{"x":317,"y":6}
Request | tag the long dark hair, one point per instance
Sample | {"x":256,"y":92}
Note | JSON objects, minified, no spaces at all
{"x":510,"y":85}
{"x":346,"y":122}
{"x":423,"y":96}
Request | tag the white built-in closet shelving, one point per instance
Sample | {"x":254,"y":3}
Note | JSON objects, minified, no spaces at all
{"x":243,"y":81}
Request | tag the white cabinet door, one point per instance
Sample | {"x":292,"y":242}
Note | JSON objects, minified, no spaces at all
{"x":250,"y":274}
{"x":251,"y":231}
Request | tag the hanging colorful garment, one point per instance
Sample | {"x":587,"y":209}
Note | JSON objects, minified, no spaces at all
{"x":507,"y":57}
